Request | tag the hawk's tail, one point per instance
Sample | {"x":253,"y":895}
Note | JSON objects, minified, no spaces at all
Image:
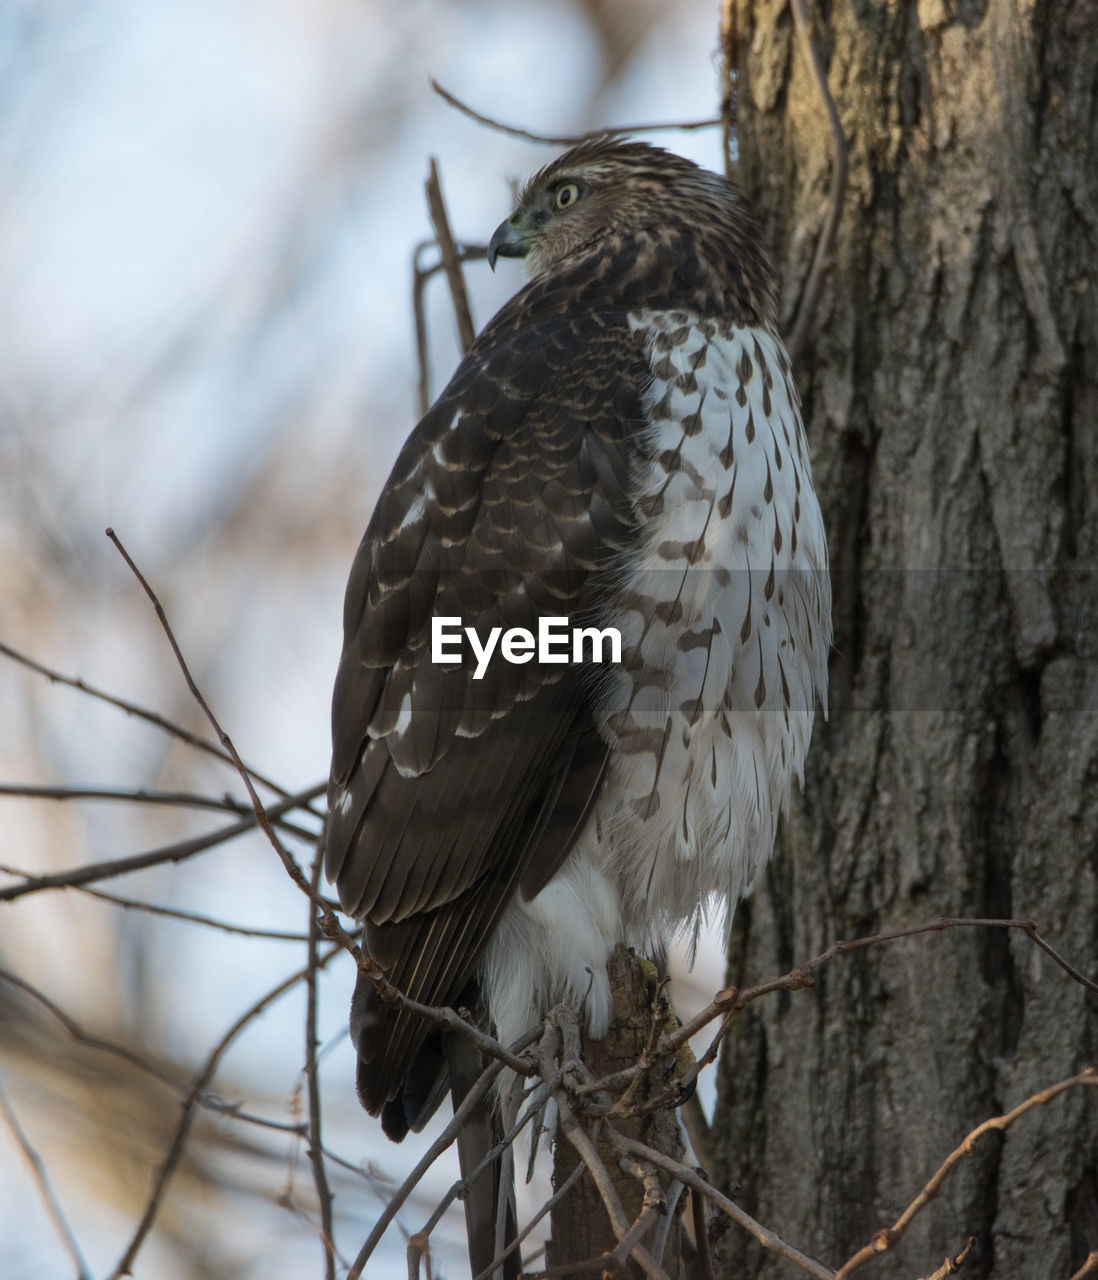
{"x":481,"y":1131}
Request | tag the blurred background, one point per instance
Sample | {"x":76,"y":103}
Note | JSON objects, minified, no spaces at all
{"x":208,"y":210}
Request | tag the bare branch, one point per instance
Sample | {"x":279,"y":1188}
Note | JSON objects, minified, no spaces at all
{"x":625,"y":1147}
{"x":1029,"y":928}
{"x":820,"y":262}
{"x":888,"y":1236}
{"x":286,"y":1202}
{"x":953,"y":1264}
{"x":328,"y":922}
{"x":423,"y":350}
{"x":419,"y":1241}
{"x":208,"y":1101}
{"x":189,"y":917}
{"x":142,"y":795}
{"x":420,"y":276}
{"x":730,"y":1002}
{"x":504,"y":1145}
{"x":316,"y":1146}
{"x":674,"y":1194}
{"x":575,"y":1134}
{"x":1089,"y":1267}
{"x":82,"y":1037}
{"x":451,"y":262}
{"x":696,"y":1183}
{"x":541,"y":1214}
{"x":155,"y":857}
{"x":49,"y":1199}
{"x":564,"y":140}
{"x":568,"y":1038}
{"x":132,"y":709}
{"x":444,"y":1140}
{"x":190,"y":1103}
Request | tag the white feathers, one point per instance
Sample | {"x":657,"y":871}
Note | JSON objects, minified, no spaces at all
{"x":417,"y":509}
{"x":404,"y":715}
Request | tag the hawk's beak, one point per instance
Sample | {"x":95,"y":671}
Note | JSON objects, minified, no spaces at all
{"x":508,"y":241}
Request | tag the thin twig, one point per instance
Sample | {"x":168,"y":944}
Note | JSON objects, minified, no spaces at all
{"x":316,"y":1146}
{"x":505,"y":1144}
{"x":953,"y":1264}
{"x":589,"y":1156}
{"x":451,"y":262}
{"x":49,"y":1199}
{"x":542,"y":1212}
{"x":820,"y":262}
{"x":445,"y":1139}
{"x":155,"y":857}
{"x":209,"y":1101}
{"x":888,"y":1236}
{"x":450,"y":1019}
{"x":420,"y":276}
{"x":670,"y":1214}
{"x":190,"y":1103}
{"x":696,"y":1183}
{"x":565,"y":140}
{"x":132,"y":709}
{"x":1029,"y":928}
{"x":328,"y":922}
{"x":730,"y":1002}
{"x":624,"y":1148}
{"x":302,"y":1217}
{"x":1089,"y":1267}
{"x":419,"y":312}
{"x":142,"y":795}
{"x":175,"y":913}
{"x":573,"y":1130}
{"x":86,"y":1038}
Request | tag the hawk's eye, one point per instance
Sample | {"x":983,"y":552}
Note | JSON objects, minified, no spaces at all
{"x":567,"y":194}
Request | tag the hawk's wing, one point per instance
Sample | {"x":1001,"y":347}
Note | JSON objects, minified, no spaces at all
{"x":508,"y":502}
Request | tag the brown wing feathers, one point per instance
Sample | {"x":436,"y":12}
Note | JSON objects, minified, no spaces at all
{"x":448,"y":795}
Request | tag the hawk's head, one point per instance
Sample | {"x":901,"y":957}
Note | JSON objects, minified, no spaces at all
{"x":608,"y":197}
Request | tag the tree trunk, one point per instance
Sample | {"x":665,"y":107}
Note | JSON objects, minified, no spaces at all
{"x":950,"y":387}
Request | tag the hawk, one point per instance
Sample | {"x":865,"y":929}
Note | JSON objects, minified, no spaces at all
{"x":622,"y":447}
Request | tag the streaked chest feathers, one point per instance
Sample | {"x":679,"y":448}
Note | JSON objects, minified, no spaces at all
{"x":725,"y":620}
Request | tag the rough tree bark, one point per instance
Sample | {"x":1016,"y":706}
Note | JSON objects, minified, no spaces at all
{"x":951,"y":395}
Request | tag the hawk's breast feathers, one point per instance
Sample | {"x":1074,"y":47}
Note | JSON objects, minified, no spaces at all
{"x":622,"y":446}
